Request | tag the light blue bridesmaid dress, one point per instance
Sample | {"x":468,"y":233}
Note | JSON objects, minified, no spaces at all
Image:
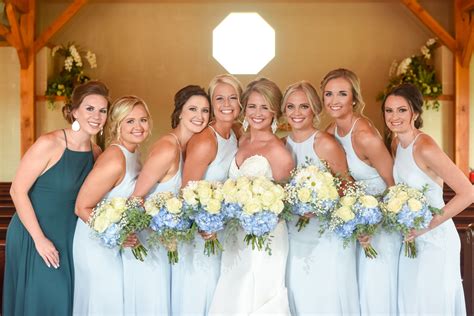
{"x":321,"y":273}
{"x":195,"y":276}
{"x":98,"y":287}
{"x":429,"y":284}
{"x":377,"y":277}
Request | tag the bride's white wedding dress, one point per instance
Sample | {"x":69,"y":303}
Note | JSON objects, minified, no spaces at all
{"x":251,"y":281}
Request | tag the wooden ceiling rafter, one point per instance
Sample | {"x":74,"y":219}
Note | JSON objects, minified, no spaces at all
{"x":59,"y":23}
{"x":467,"y":5}
{"x":16,"y":39}
{"x":431,"y":23}
{"x":21,"y":5}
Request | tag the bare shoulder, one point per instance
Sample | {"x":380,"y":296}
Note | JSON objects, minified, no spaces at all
{"x":165,"y":148}
{"x":331,"y":128}
{"x":96,"y":150}
{"x":203,"y":141}
{"x":48,"y":144}
{"x":326,"y":141}
{"x":112,"y":157}
{"x":365,"y":134}
{"x":278,"y":150}
{"x":426,"y":147}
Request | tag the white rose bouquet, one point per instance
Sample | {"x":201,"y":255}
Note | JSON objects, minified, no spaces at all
{"x":257,"y":204}
{"x":203,"y":200}
{"x":405,"y":209}
{"x":358,"y":214}
{"x":169,"y":222}
{"x":311,"y":191}
{"x":115,"y":219}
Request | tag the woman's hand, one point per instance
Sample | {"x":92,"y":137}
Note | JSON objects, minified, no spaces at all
{"x":308,"y":215}
{"x":435,"y":222}
{"x":48,"y":252}
{"x":131,"y":241}
{"x":364,"y":240}
{"x":208,"y":236}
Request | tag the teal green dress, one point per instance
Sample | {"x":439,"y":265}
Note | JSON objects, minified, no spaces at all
{"x":30,"y":287}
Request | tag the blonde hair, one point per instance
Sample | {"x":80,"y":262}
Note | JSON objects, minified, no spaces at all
{"x":119,"y":110}
{"x":226,"y":79}
{"x":311,"y":94}
{"x":268,"y":90}
{"x":354,"y":81}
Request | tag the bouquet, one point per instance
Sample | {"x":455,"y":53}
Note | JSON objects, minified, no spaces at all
{"x":311,"y":191}
{"x":358,"y":214}
{"x":115,"y":219}
{"x":168,"y":222}
{"x":405,"y":209}
{"x":203,"y":201}
{"x":257,"y":204}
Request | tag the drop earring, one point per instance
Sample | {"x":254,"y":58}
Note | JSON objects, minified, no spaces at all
{"x":274,"y":125}
{"x":101,"y":131}
{"x":245,"y":125}
{"x":76,"y":127}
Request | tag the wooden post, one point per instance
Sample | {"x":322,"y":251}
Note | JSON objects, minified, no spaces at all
{"x":462,"y":57}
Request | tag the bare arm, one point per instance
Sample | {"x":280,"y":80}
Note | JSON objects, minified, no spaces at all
{"x":108,"y":171}
{"x":36,"y":160}
{"x":373,"y":148}
{"x":329,"y":149}
{"x":428,"y":153}
{"x":200,"y":152}
{"x":158,"y":164}
{"x":282,"y":163}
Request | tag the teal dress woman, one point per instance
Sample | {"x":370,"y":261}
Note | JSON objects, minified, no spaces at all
{"x":39,"y":271}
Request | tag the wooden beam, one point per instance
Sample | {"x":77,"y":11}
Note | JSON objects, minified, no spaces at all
{"x":468,"y":47}
{"x":20,"y":5}
{"x":27,"y":82}
{"x":467,"y":5}
{"x":431,"y":23}
{"x":461,"y":102}
{"x":59,"y":23}
{"x":16,"y":38}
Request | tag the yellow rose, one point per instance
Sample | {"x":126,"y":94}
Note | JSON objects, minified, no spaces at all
{"x":368,"y":201}
{"x":118,"y":203}
{"x":229,"y":185}
{"x":414,"y":205}
{"x":394,"y":205}
{"x":150,"y":208}
{"x":348,"y":200}
{"x":242,"y":182}
{"x":277,"y":207}
{"x":204,"y":192}
{"x":402,"y":196}
{"x":324,"y":193}
{"x":304,"y":195}
{"x":267,"y":198}
{"x":257,"y":187}
{"x":252,"y":207}
{"x":189,"y":196}
{"x":213,"y":206}
{"x":112,"y":214}
{"x":218,"y":195}
{"x":328,"y":178}
{"x":231,"y":195}
{"x":345,"y":213}
{"x":101,"y":223}
{"x":243,"y":196}
{"x":333,"y":194}
{"x":278,"y":191}
{"x":174,"y":205}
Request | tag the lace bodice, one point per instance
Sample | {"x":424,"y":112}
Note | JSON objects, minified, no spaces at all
{"x":253,"y":166}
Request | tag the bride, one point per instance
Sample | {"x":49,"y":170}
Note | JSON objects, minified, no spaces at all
{"x":251,"y":281}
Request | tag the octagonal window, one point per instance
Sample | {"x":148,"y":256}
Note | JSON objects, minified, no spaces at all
{"x":243,"y":43}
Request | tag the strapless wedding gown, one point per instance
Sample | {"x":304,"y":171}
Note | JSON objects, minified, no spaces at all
{"x":251,"y":281}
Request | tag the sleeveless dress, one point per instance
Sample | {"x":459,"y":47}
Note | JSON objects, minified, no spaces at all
{"x":318,"y":264}
{"x":159,"y":293}
{"x":30,"y":287}
{"x":251,"y":281}
{"x":98,"y":288}
{"x":195,"y":275}
{"x":430,"y":283}
{"x":376,"y":277}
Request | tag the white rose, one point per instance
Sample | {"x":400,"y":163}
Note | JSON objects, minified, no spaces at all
{"x":345,"y":213}
{"x":304,"y":195}
{"x":277,"y":207}
{"x":414,"y":205}
{"x":213,"y":206}
{"x":174,"y":205}
{"x":368,"y":201}
{"x":348,"y":200}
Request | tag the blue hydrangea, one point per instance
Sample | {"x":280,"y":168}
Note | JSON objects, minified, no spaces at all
{"x":368,"y":215}
{"x":259,"y":223}
{"x":414,"y":220}
{"x":231,"y":210}
{"x":209,"y":223}
{"x":110,"y":237}
{"x":166,"y":220}
{"x":301,"y":209}
{"x":347,"y":229}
